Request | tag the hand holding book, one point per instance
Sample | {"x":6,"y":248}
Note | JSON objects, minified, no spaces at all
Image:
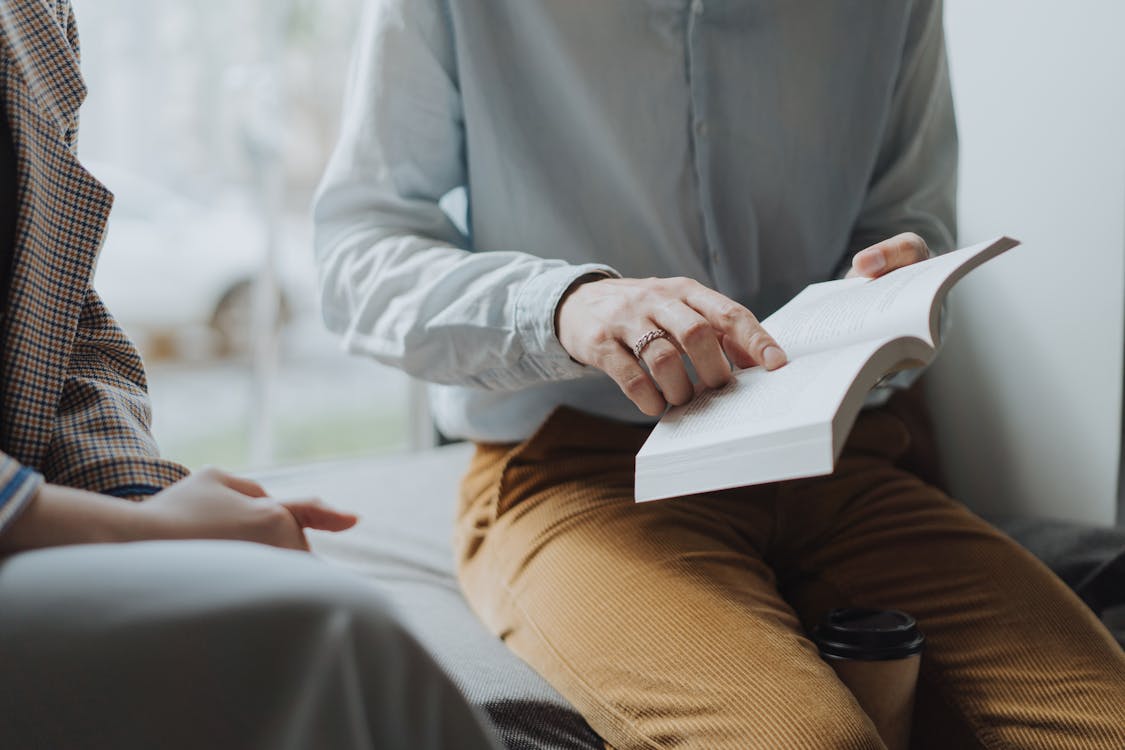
{"x":882,"y":258}
{"x":842,"y":337}
{"x":663,"y":321}
{"x":604,"y":322}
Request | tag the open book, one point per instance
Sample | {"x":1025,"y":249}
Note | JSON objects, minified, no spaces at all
{"x":842,"y":338}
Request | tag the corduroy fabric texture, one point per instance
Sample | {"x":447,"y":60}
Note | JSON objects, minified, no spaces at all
{"x":682,"y":623}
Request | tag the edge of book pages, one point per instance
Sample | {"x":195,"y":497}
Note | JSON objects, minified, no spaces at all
{"x":807,"y":447}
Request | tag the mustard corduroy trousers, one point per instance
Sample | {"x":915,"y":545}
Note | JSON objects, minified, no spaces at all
{"x":682,"y":624}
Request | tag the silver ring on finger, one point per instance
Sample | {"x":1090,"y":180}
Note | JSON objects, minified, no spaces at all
{"x":646,"y":339}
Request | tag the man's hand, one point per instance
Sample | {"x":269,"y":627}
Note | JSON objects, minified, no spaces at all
{"x":212,"y":504}
{"x":884,"y":257}
{"x":599,"y":322}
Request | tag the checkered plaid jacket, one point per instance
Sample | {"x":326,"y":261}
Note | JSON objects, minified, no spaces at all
{"x":74,"y":407}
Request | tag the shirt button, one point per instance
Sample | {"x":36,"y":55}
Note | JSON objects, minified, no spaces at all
{"x":697,"y":7}
{"x":701,"y":128}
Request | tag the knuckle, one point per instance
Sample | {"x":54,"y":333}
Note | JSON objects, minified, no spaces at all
{"x":696,"y":332}
{"x":601,"y":338}
{"x":730,"y":313}
{"x":914,"y":243}
{"x":605,"y":354}
{"x":678,"y":399}
{"x":634,"y":383}
{"x":680,"y":283}
{"x":759,"y":340}
{"x":664,"y":357}
{"x":283,"y":522}
{"x":650,"y":299}
{"x":275,"y":512}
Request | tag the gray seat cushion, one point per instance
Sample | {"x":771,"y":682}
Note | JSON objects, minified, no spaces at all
{"x":402,"y":543}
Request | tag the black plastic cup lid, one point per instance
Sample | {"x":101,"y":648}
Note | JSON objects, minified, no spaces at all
{"x":868,"y":635}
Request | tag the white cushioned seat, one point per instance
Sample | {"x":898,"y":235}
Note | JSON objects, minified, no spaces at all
{"x":402,"y":544}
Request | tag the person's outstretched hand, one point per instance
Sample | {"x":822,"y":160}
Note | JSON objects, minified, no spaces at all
{"x":601,"y":322}
{"x":209,"y":504}
{"x":884,"y":257}
{"x":212,"y":504}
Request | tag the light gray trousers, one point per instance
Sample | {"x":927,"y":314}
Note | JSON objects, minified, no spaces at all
{"x":212,"y":645}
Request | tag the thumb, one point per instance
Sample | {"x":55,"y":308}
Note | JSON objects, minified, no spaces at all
{"x":311,"y":513}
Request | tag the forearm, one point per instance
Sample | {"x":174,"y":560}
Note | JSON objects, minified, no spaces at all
{"x":446,"y":315}
{"x":59,"y":515}
{"x":399,"y":280}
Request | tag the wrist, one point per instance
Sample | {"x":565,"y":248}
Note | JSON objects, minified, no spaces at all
{"x":144,"y":521}
{"x":93,"y":518}
{"x":59,"y":515}
{"x":536,"y":312}
{"x":570,"y":290}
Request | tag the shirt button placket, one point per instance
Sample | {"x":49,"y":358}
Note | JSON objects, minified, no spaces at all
{"x":702,"y":130}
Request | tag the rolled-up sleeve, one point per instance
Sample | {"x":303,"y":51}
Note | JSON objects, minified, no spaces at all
{"x":101,"y":439}
{"x":914,"y":185}
{"x":18,"y":485}
{"x":397,"y":278}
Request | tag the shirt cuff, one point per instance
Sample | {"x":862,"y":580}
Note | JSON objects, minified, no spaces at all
{"x":133,"y":491}
{"x":536,"y":305}
{"x":18,"y":485}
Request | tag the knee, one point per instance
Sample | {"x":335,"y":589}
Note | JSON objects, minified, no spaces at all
{"x":843,"y":731}
{"x":258,"y":597}
{"x":819,"y":725}
{"x":808,"y":722}
{"x":294,"y":590}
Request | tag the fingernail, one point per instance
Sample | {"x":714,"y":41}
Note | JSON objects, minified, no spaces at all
{"x":773,"y":357}
{"x":873,"y":263}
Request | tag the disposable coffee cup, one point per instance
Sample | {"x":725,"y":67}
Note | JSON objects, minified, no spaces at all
{"x":876,"y":653}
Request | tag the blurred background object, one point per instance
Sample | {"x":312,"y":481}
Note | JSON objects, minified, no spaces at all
{"x":176,"y":266}
{"x":211,"y":122}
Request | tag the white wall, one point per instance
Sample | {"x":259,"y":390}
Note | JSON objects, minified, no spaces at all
{"x":1027,"y":393}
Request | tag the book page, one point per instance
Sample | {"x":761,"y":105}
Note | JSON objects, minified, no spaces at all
{"x":900,"y":303}
{"x":807,"y":391}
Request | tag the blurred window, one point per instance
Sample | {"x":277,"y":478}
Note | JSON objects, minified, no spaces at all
{"x":211,"y":121}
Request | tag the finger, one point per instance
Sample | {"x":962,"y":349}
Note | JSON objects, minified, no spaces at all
{"x":699,"y":341}
{"x":314,"y":514}
{"x":297,"y":542}
{"x":884,"y":257}
{"x":238,"y":484}
{"x":742,"y":330}
{"x":285,"y":532}
{"x":631,"y":378}
{"x":666,"y":365}
{"x":737,"y":355}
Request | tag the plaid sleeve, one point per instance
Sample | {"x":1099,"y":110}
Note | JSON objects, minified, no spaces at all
{"x":101,"y":441}
{"x":18,"y":484}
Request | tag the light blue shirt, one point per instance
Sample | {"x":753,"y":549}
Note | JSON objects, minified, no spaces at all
{"x":753,"y":145}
